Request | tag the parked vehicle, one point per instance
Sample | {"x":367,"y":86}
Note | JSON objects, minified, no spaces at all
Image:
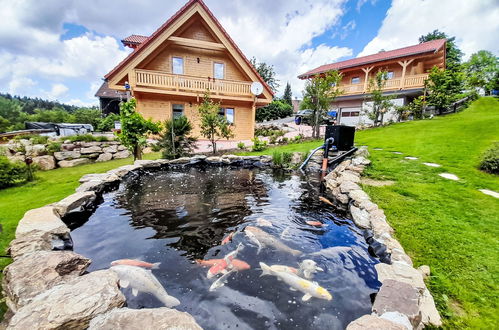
{"x":305,"y":117}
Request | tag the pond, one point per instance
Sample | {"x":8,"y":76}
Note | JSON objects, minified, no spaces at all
{"x":179,"y":218}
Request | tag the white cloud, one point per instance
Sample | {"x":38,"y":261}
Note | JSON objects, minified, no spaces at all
{"x":57,"y":91}
{"x":475,"y":24}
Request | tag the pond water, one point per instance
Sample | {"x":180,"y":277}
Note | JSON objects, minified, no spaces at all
{"x":175,"y":217}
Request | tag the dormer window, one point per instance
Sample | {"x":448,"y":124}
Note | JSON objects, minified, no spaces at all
{"x":355,"y":80}
{"x":218,"y":70}
{"x":177,"y":65}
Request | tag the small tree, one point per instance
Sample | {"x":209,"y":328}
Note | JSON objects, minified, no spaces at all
{"x":443,"y":87}
{"x":481,"y":70}
{"x":287,"y":97}
{"x":267,"y":73}
{"x":274,"y":110}
{"x":213,"y":125}
{"x":381,"y":103}
{"x":175,"y":140}
{"x":320,"y":91}
{"x":134,"y":128}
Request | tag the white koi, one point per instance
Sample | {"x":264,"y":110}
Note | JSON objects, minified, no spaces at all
{"x":262,"y":238}
{"x":263,"y":223}
{"x":140,"y":279}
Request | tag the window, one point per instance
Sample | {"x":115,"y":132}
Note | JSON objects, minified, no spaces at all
{"x":389,"y":75}
{"x":178,"y":110}
{"x":218,"y":70}
{"x":227,"y":113}
{"x":178,"y":65}
{"x":355,"y":80}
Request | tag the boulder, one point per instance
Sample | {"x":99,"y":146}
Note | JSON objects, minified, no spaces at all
{"x":429,"y":312}
{"x":402,"y":273}
{"x":123,"y":170}
{"x":399,"y":318}
{"x":37,"y":272}
{"x":398,"y":255}
{"x":95,"y":155}
{"x":360,"y":161}
{"x":342,"y":166}
{"x":157,"y":318}
{"x":104,"y":157}
{"x":395,"y":296}
{"x":347,"y":186}
{"x":373,"y":322}
{"x":362,"y":151}
{"x":74,"y":162}
{"x":43,"y":219}
{"x":380,"y":227}
{"x":147,"y":163}
{"x":75,"y":202}
{"x":213,"y":160}
{"x":358,"y":196}
{"x":36,"y":150}
{"x":68,"y":146}
{"x":45,"y":163}
{"x":121,"y":147}
{"x":231,"y":159}
{"x":360,"y":217}
{"x":121,"y":154}
{"x":348,"y":176}
{"x":29,"y":243}
{"x":424,"y":270}
{"x":71,"y":305}
{"x":91,"y":144}
{"x":111,"y":149}
{"x":368,"y":206}
{"x":63,"y":155}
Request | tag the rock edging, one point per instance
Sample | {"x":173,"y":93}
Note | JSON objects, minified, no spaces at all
{"x":46,"y":288}
{"x":404,"y":301}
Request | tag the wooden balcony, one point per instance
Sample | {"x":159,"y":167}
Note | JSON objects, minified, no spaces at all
{"x":190,"y":85}
{"x":409,"y":82}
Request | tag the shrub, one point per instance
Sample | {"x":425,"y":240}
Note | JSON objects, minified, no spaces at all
{"x":269,"y":131}
{"x":258,"y":145}
{"x":88,"y":138}
{"x":39,"y":139}
{"x":175,"y":140}
{"x":283,"y":140}
{"x":53,"y":147}
{"x":275,"y":110}
{"x":107,"y":124}
{"x":11,"y":173}
{"x":298,"y":138}
{"x":490,"y":159}
{"x":241,"y":145}
{"x":282,"y":159}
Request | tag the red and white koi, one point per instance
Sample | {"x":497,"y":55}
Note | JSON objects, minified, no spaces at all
{"x":135,"y":262}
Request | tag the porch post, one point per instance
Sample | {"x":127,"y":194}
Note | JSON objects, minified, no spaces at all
{"x":404,"y":65}
{"x":366,"y":71}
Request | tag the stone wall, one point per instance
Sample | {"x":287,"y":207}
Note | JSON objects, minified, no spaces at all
{"x":403,"y":301}
{"x":47,"y":287}
{"x":71,"y":153}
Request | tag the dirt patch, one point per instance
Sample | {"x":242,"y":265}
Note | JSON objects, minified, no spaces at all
{"x":376,"y":183}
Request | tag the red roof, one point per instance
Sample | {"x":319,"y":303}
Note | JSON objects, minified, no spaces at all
{"x":134,"y":39}
{"x":167,"y":24}
{"x":425,"y":47}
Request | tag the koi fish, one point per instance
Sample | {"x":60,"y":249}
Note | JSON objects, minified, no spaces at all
{"x":296,"y":283}
{"x":331,"y":251}
{"x":236,"y":263}
{"x":228,"y":238}
{"x":134,"y":262}
{"x":308,"y":268}
{"x":261,"y":239}
{"x":226,"y":264}
{"x":263,"y":223}
{"x":315,"y":223}
{"x":220,"y":281}
{"x":325,"y":200}
{"x":140,"y":279}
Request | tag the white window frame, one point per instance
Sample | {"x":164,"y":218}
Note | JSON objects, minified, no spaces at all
{"x":215,"y":71}
{"x":223,"y":112}
{"x":173,"y":64}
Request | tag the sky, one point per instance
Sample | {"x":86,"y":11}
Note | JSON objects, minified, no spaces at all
{"x":61,"y":49}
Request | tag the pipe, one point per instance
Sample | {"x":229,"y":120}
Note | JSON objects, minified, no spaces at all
{"x":327,"y":145}
{"x":310,"y":156}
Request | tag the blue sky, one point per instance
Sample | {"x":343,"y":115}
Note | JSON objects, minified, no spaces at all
{"x":60,"y":49}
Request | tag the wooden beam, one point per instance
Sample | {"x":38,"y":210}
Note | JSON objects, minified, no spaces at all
{"x":196,"y":43}
{"x":366,"y":71}
{"x":404,"y":65}
{"x":248,"y":99}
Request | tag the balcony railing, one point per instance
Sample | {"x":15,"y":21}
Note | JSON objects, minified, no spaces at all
{"x":413,"y":81}
{"x":184,"y":83}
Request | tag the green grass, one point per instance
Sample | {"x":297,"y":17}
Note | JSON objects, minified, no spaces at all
{"x":450,"y":226}
{"x":299,"y":147}
{"x":49,"y":187}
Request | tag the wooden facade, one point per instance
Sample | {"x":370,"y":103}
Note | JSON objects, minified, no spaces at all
{"x":170,"y":71}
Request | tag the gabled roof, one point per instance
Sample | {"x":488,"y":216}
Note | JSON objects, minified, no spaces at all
{"x":426,"y":47}
{"x":134,"y":39}
{"x":142,"y":46}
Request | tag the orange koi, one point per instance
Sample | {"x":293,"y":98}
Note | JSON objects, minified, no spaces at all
{"x":228,"y":238}
{"x":315,"y":223}
{"x":325,"y":200}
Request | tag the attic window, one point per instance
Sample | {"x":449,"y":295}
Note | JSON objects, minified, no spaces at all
{"x":218,"y":70}
{"x":178,"y":65}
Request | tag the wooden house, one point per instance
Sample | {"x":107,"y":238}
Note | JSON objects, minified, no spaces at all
{"x":407,"y":71}
{"x":169,"y":71}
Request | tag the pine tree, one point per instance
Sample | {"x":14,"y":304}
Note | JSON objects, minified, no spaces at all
{"x":287,"y":95}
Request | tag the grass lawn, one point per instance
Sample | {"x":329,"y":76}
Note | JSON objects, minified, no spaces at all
{"x":50,"y":187}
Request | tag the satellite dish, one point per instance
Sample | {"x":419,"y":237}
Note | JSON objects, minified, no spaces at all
{"x":256,"y":88}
